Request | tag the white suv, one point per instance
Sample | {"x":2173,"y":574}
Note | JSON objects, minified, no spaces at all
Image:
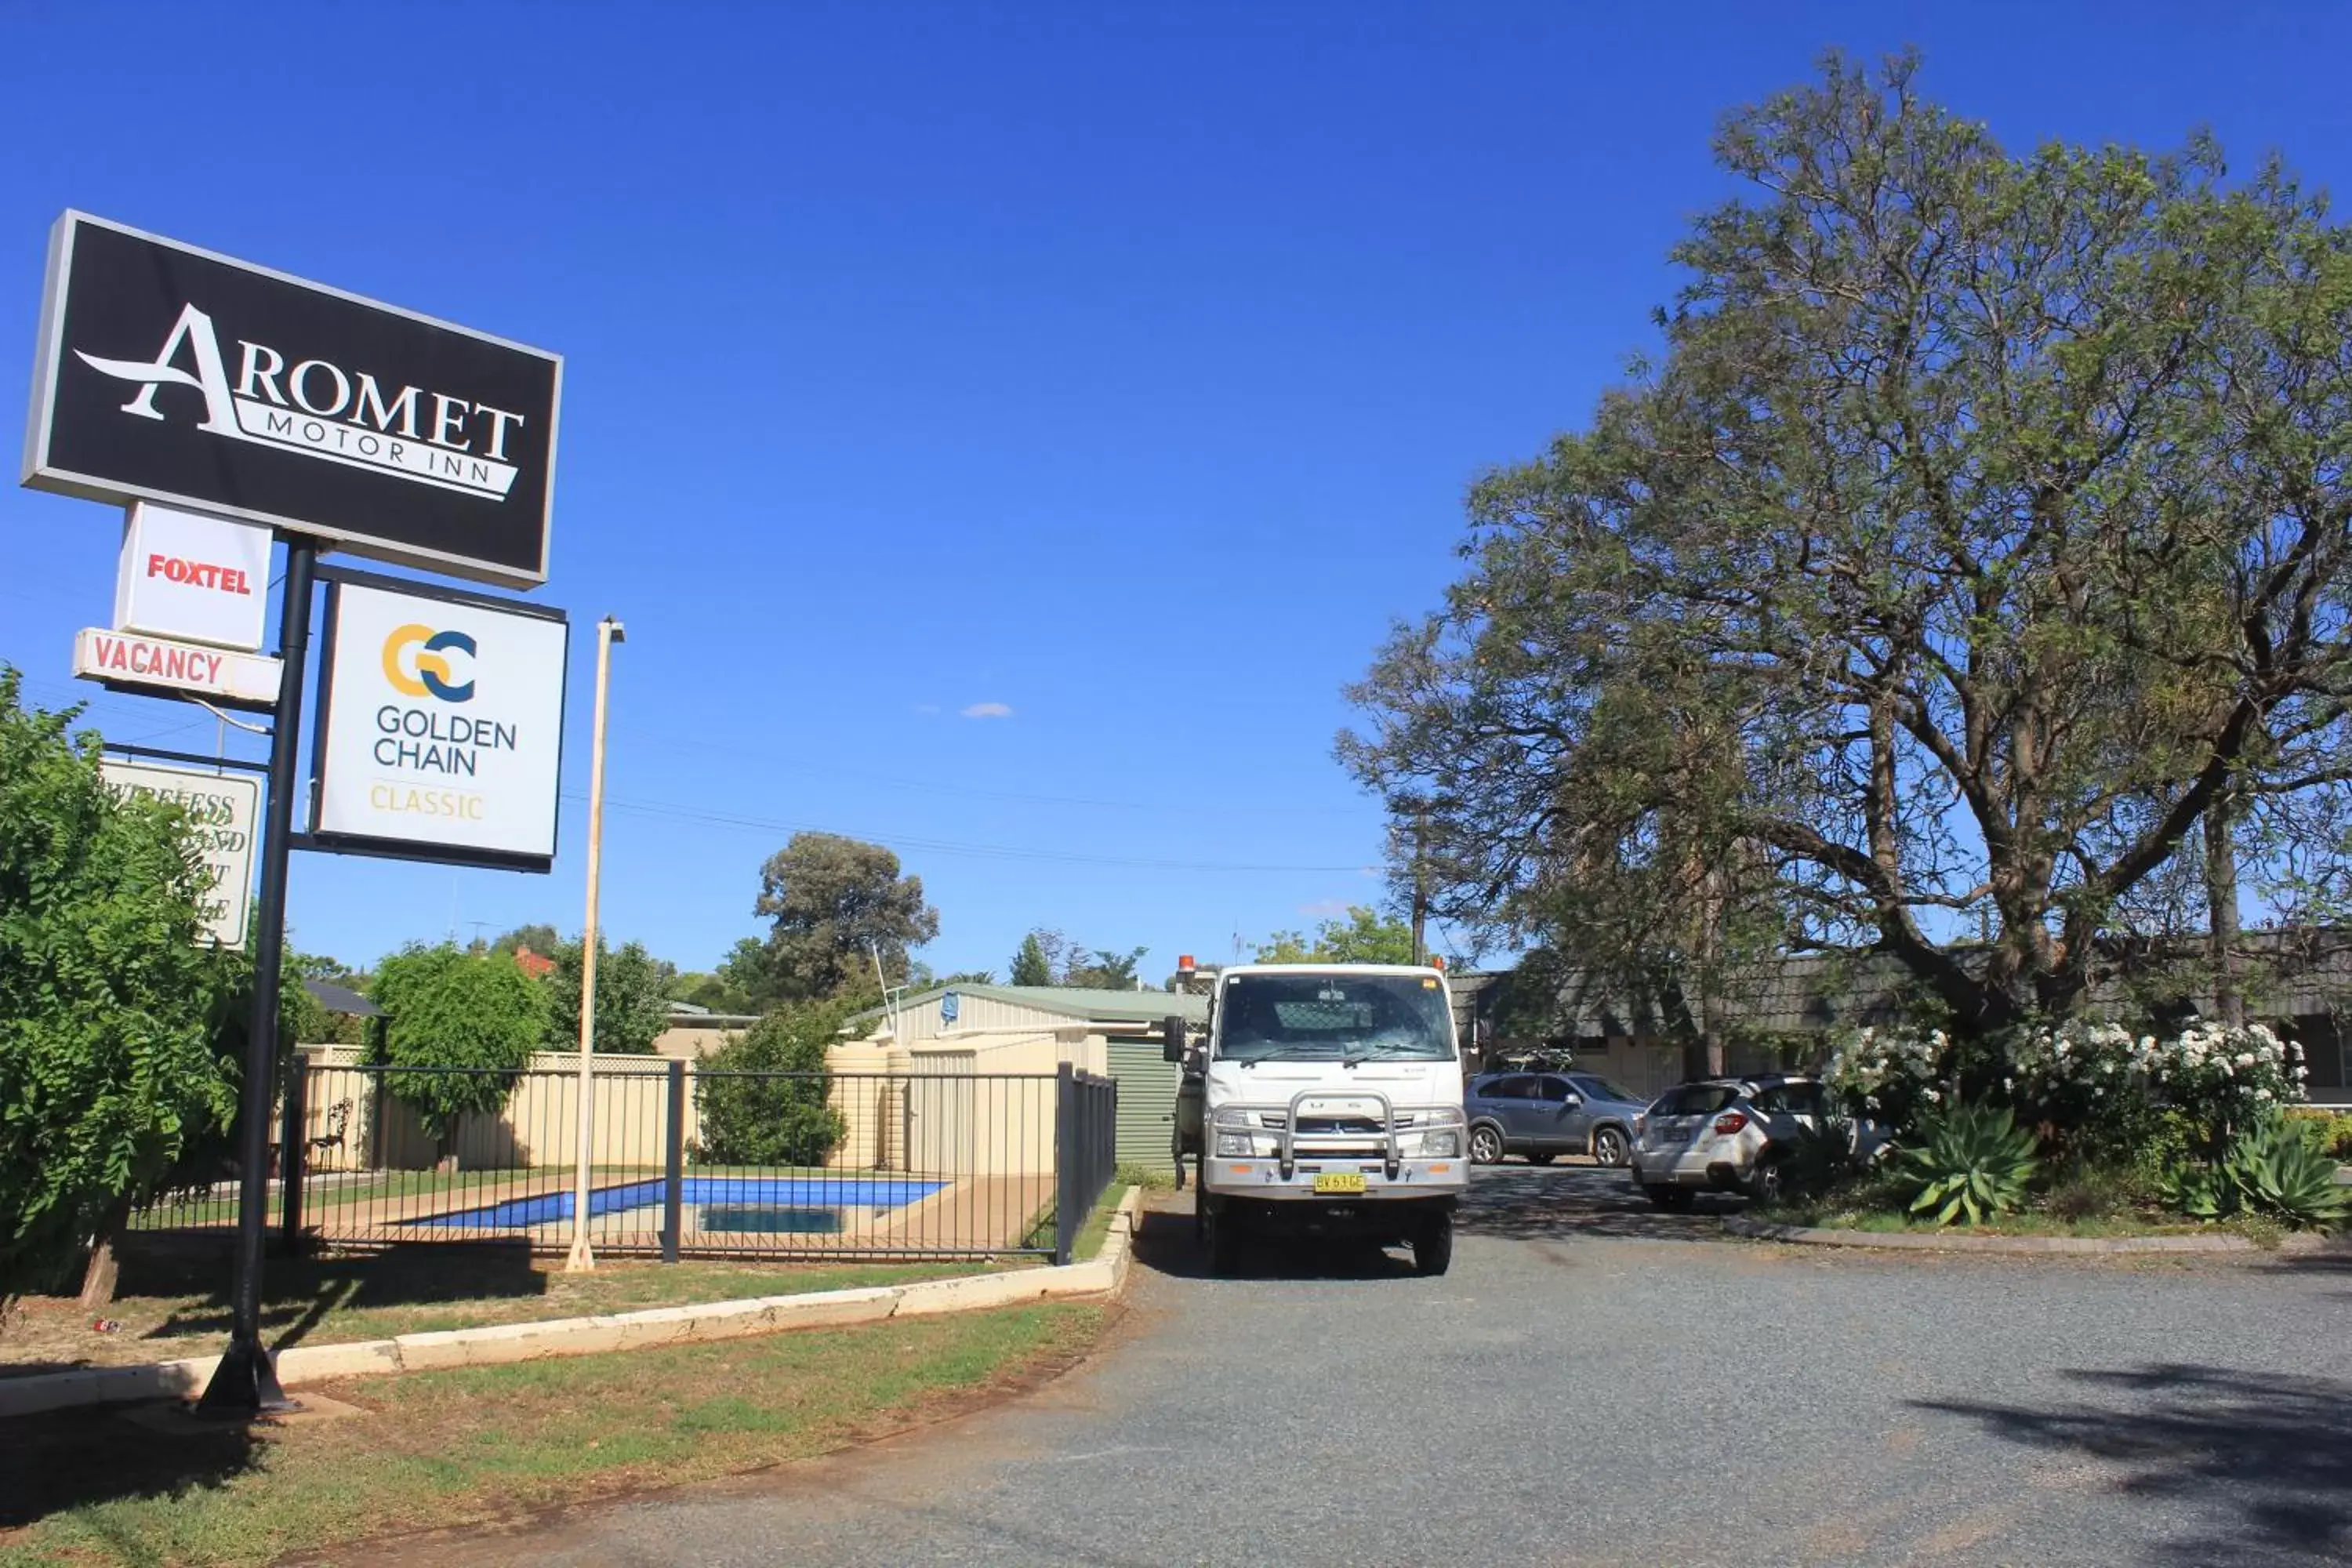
{"x":1724,"y":1135}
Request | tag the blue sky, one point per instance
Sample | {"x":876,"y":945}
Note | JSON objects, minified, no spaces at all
{"x":1120,"y":368}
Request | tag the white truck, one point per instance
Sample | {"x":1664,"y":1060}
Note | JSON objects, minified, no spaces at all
{"x":1328,"y":1102}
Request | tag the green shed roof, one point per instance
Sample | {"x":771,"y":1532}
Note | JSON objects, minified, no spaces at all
{"x":1073,"y":1002}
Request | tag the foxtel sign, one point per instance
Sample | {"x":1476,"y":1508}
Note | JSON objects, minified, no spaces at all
{"x":172,"y":374}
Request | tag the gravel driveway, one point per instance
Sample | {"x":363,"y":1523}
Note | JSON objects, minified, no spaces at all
{"x":1592,"y":1384}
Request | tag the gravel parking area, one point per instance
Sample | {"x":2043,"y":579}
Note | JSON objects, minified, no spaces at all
{"x":1592,"y":1383}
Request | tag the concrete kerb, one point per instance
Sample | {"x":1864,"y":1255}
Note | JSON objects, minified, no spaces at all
{"x":648,"y":1329}
{"x":1941,"y":1241}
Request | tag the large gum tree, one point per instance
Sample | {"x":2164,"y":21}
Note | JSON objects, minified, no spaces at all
{"x":1965,"y":578}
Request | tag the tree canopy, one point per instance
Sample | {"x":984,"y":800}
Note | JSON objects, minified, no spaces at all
{"x":1046,"y":957}
{"x":447,"y":1008}
{"x":834,"y":903}
{"x":1979,"y":533}
{"x":108,"y":1065}
{"x":632,"y":996}
{"x":1362,"y":936}
{"x":537,"y":937}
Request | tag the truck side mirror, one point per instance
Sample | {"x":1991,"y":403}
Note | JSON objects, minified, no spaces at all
{"x":1172,"y":1038}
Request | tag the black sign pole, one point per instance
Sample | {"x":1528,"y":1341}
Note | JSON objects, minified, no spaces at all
{"x":245,"y":1382}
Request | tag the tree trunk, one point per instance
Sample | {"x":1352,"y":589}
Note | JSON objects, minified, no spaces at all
{"x":98,"y":1280}
{"x":2221,"y":907}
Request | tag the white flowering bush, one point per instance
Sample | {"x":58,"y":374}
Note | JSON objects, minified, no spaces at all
{"x":2098,"y":1087}
{"x":1893,"y":1074}
{"x":2225,"y":1078}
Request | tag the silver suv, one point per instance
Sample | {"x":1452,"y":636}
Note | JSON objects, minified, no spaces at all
{"x":1724,"y":1135}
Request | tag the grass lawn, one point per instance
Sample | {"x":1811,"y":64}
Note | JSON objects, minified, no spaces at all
{"x":172,"y":1302}
{"x":1090,"y":1235}
{"x":478,"y":1445}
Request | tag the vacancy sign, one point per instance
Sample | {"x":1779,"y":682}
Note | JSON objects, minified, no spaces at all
{"x":223,"y":813}
{"x":193,"y":578}
{"x":442,"y":733}
{"x":130,"y":662}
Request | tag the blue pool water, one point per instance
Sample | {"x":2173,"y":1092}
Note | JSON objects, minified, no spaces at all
{"x":786,"y":1195}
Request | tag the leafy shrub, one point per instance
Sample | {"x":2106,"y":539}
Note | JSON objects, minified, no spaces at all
{"x":2168,"y":1146}
{"x":1818,"y":1159}
{"x":1974,"y":1161}
{"x":762,"y":1117}
{"x":2334,"y":1129}
{"x":107,"y":1069}
{"x":2089,"y":1192}
{"x":2279,"y":1169}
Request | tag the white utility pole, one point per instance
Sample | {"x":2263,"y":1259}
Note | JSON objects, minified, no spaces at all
{"x":583,"y":1258}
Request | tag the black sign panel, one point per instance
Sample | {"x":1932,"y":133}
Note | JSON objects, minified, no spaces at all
{"x":176,"y":375}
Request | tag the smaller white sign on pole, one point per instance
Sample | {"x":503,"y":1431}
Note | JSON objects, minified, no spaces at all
{"x":199,"y":579}
{"x":133,"y":661}
{"x":227,"y":812}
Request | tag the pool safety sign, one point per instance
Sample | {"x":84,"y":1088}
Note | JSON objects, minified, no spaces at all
{"x":169,"y":373}
{"x":225,"y":811}
{"x":441,"y":728}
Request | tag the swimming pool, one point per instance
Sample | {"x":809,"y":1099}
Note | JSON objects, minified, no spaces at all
{"x":798,"y":1203}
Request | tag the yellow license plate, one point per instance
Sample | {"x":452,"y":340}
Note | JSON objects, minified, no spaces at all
{"x":1340,"y":1182}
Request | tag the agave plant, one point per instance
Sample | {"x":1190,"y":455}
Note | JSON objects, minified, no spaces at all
{"x":1971,"y":1161}
{"x":2279,"y":1169}
{"x":2199,"y":1191}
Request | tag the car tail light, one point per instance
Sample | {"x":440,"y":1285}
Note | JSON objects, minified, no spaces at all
{"x":1729,"y":1122}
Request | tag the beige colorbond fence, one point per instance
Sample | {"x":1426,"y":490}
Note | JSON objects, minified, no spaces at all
{"x":352,"y":1121}
{"x":538,"y":1125}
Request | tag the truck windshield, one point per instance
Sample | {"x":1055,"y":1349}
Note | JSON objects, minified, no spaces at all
{"x":1334,"y":1018}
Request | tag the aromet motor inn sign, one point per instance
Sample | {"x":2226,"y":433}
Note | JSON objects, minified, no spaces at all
{"x":441,"y":733}
{"x":166,"y":373}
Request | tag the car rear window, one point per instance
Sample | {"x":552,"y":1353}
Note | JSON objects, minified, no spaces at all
{"x":1695,"y":1099}
{"x":1793,"y":1099}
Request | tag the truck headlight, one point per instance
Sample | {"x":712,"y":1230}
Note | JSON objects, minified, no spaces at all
{"x":1231,"y":1116}
{"x":1440,"y":1136}
{"x":1235,"y":1145}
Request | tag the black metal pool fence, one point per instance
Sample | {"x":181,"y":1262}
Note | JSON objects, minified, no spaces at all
{"x":683,"y":1163}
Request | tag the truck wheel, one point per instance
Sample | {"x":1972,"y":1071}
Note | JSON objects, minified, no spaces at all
{"x":1486,"y":1144}
{"x":1225,"y":1247}
{"x":1432,"y":1246}
{"x":1199,"y":1212}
